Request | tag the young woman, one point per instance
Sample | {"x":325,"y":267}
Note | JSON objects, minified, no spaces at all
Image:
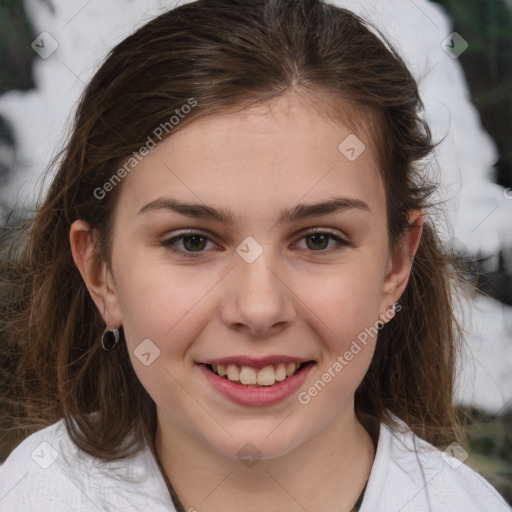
{"x":232,"y":297}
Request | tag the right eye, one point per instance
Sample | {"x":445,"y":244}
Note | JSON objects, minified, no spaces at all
{"x":193,"y":241}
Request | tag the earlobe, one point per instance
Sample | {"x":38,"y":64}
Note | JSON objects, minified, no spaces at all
{"x":400,"y":261}
{"x":95,"y":273}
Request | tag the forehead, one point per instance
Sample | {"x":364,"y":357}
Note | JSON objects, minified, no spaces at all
{"x":267,"y":156}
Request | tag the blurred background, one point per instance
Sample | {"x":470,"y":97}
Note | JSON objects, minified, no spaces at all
{"x":460,"y":51}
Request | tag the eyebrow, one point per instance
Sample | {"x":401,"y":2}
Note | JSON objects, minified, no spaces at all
{"x":299,"y":212}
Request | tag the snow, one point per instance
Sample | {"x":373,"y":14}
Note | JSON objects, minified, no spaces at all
{"x":477,"y":210}
{"x":484,"y":368}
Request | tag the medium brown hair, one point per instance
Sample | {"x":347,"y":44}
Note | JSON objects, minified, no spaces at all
{"x":227,"y":55}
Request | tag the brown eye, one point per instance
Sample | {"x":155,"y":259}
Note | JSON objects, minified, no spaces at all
{"x":319,"y":240}
{"x":193,"y":243}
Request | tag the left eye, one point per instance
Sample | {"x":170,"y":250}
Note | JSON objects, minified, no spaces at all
{"x":195,"y":241}
{"x":322,"y":236}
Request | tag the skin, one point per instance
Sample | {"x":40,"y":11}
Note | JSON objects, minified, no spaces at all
{"x":300,"y":297}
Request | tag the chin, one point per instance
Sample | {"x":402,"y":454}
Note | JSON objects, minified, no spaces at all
{"x":258,"y":443}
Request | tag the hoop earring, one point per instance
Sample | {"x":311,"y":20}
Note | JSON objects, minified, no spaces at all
{"x":115,"y":334}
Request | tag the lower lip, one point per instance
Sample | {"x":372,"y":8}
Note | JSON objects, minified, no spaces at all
{"x":257,"y":396}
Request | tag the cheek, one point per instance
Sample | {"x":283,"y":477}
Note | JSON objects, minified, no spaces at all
{"x":345,"y":309}
{"x":161,"y":317}
{"x":346,"y":300}
{"x":349,"y":331}
{"x":158,"y":302}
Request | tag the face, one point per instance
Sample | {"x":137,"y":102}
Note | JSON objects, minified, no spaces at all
{"x":263,"y":286}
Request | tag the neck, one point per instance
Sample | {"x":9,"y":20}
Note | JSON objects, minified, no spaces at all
{"x":328,"y":472}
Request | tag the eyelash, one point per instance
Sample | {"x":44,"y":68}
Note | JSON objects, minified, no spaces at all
{"x":185,"y":234}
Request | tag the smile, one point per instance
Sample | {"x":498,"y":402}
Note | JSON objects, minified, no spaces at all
{"x":250,"y":376}
{"x":250,"y":386}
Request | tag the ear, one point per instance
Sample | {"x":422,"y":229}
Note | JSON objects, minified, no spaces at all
{"x":400,"y":263}
{"x":95,"y":273}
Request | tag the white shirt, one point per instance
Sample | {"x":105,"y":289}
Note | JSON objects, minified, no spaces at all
{"x":48,"y":473}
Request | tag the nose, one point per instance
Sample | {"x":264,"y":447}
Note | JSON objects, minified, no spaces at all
{"x":257,"y":299}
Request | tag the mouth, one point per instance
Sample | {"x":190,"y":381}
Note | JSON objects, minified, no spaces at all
{"x":256,"y":382}
{"x":267,"y":376}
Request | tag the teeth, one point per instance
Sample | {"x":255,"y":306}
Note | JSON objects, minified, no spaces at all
{"x":247,"y":375}
{"x":251,"y":376}
{"x":233,"y":372}
{"x":280,"y":372}
{"x":290,"y":369}
{"x":266,"y":376}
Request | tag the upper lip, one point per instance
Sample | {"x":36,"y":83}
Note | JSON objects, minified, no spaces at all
{"x":254,"y":362}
